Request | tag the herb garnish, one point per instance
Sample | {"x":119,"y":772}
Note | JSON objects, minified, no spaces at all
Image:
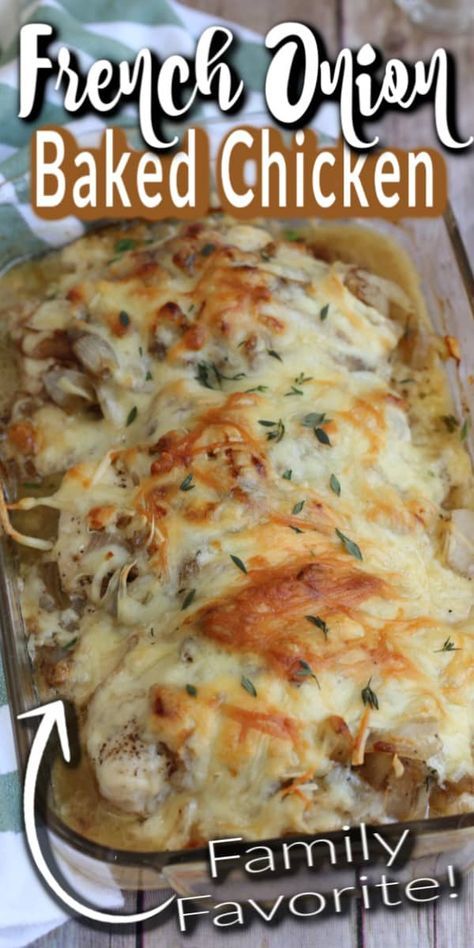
{"x":287,"y":475}
{"x":126,"y":243}
{"x":448,"y":646}
{"x":298,"y":507}
{"x":69,"y":645}
{"x":451,"y":422}
{"x":296,"y":529}
{"x":204,"y":375}
{"x":131,"y":415}
{"x":319,"y":623}
{"x":292,"y":235}
{"x":322,"y":437}
{"x":248,"y":686}
{"x":187,"y":484}
{"x":238,"y":562}
{"x":465,"y":428}
{"x":349,"y":545}
{"x":188,"y":599}
{"x":211,"y":377}
{"x":258,"y":388}
{"x":124,"y":318}
{"x":274,"y":355}
{"x":302,"y":378}
{"x":335,"y":485}
{"x":148,"y":377}
{"x":278,"y":429}
{"x":314,"y":418}
{"x":305,"y":671}
{"x":192,"y":691}
{"x":207,"y":250}
{"x":369,"y":697}
{"x":324,"y":312}
{"x":294,"y":391}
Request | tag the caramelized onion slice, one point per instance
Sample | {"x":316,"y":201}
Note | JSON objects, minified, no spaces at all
{"x":95,"y":354}
{"x":337,"y":739}
{"x":376,"y":291}
{"x":52,"y":581}
{"x":69,"y":388}
{"x":417,"y":740}
{"x":406,"y":788}
{"x":459,"y":542}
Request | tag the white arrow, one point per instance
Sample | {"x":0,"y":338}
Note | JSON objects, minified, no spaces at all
{"x":53,"y":715}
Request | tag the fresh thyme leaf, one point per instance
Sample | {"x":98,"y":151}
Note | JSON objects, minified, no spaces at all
{"x":140,"y":351}
{"x":465,"y":428}
{"x":287,"y":475}
{"x":188,"y":599}
{"x":369,"y":697}
{"x":298,"y":507}
{"x":296,"y":529}
{"x":324,"y":312}
{"x":305,"y":671}
{"x":69,"y":645}
{"x":124,"y":318}
{"x":187,"y":484}
{"x":451,"y":422}
{"x":267,"y":424}
{"x":319,"y":623}
{"x":132,"y":415}
{"x":148,"y":377}
{"x":276,"y":434}
{"x":335,"y":485}
{"x":314,"y":418}
{"x":294,"y":391}
{"x":238,"y":562}
{"x":448,"y":646}
{"x":211,"y":377}
{"x":258,"y":388}
{"x":126,"y":243}
{"x":274,"y":355}
{"x":293,"y":235}
{"x":207,"y":250}
{"x":302,"y":378}
{"x":322,"y":437}
{"x":248,"y":686}
{"x":192,"y":691}
{"x":207,"y":376}
{"x":349,"y":545}
{"x":229,"y":378}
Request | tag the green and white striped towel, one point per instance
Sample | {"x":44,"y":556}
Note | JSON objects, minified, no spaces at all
{"x":93,"y":29}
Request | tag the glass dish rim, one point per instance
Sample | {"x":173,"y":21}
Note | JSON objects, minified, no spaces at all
{"x":159,"y":859}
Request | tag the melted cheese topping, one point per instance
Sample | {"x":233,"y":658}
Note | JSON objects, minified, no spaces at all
{"x":245,"y":569}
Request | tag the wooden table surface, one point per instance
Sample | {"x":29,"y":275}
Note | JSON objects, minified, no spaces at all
{"x":438,"y":925}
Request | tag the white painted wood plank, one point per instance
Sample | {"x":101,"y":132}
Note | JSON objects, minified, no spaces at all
{"x":454,"y":918}
{"x":76,"y":934}
{"x":319,"y":932}
{"x":382,"y":23}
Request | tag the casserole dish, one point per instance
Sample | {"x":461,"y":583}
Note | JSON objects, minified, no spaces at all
{"x":351,"y":250}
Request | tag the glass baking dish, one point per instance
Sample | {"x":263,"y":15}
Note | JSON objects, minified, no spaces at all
{"x":447,"y":284}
